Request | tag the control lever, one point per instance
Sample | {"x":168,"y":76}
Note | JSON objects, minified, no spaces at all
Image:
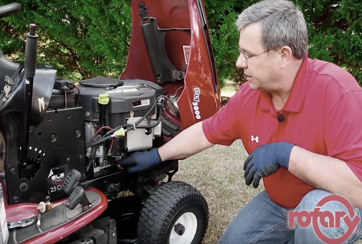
{"x":31,"y":49}
{"x":77,"y":196}
{"x":71,"y":180}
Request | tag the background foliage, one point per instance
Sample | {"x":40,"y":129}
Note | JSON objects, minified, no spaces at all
{"x":76,"y":37}
{"x":82,"y":39}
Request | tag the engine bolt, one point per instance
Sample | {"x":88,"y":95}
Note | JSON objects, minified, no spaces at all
{"x":23,"y":186}
{"x":77,"y":133}
{"x":53,"y":137}
{"x":87,"y":115}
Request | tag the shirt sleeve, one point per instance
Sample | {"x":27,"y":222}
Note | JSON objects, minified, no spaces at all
{"x":343,"y":131}
{"x":225,"y":126}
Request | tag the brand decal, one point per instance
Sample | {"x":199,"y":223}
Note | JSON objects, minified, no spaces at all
{"x":327,"y":219}
{"x":195,"y":103}
{"x":56,"y":181}
{"x":256,"y":138}
{"x":41,"y":104}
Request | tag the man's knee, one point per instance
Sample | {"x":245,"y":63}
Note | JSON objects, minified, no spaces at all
{"x":311,"y":199}
{"x":321,"y":214}
{"x":227,"y":237}
{"x":238,"y":231}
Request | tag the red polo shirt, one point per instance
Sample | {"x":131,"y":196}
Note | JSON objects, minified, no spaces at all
{"x":323,"y":114}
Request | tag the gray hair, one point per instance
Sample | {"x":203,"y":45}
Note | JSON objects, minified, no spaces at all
{"x":282,"y":24}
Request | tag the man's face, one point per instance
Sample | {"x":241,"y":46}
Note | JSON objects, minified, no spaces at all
{"x":259,"y":64}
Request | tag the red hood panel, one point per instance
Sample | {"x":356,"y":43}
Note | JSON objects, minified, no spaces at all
{"x":182,"y":45}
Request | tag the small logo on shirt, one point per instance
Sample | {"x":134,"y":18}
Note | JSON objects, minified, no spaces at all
{"x":256,"y":138}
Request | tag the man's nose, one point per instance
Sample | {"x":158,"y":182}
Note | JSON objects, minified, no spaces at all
{"x":241,"y":62}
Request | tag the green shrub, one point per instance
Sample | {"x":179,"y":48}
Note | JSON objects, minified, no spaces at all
{"x":88,"y":39}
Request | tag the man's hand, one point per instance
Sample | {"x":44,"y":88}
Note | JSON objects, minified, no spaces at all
{"x":266,"y":159}
{"x":141,"y":160}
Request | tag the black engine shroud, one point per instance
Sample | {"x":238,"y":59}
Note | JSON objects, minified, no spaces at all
{"x":63,"y":121}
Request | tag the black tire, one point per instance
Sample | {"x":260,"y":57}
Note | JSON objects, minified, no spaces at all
{"x":174,"y":210}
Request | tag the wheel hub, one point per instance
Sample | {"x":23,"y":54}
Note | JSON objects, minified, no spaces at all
{"x":184,"y":229}
{"x":179,"y":229}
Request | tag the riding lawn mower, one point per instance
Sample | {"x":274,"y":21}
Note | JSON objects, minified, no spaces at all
{"x":60,"y":140}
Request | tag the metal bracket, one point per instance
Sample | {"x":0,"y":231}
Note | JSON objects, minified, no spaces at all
{"x":155,"y":42}
{"x":21,"y":223}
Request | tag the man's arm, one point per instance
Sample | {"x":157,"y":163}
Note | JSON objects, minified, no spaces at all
{"x":187,"y":143}
{"x":326,"y":173}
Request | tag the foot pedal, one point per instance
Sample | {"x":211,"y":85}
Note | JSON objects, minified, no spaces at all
{"x":77,"y":197}
{"x":71,"y":180}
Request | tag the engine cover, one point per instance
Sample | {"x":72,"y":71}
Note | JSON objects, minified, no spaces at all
{"x":124,"y":96}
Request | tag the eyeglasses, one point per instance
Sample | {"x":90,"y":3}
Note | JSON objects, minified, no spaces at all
{"x":251,"y":56}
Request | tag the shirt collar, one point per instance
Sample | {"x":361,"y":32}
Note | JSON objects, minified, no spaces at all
{"x":297,"y":94}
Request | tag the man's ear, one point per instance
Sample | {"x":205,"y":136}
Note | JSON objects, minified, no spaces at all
{"x":286,"y":55}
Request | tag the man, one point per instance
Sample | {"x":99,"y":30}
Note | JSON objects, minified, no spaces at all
{"x":300,"y":121}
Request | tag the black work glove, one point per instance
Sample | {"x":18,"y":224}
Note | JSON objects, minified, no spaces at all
{"x":266,"y":159}
{"x":141,"y":160}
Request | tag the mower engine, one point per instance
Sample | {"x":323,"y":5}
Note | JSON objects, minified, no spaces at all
{"x":86,"y":127}
{"x":121,"y":116}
